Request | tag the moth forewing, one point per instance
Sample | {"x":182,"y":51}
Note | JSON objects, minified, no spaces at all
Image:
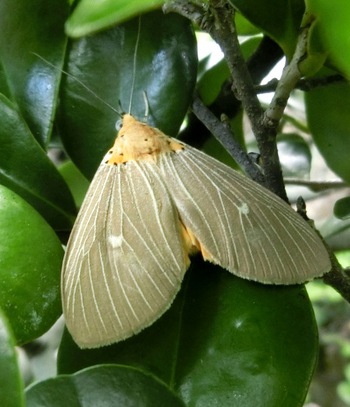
{"x":125,"y":259}
{"x":239,"y":224}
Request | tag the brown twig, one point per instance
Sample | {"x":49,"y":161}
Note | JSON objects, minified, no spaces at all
{"x":303,"y":84}
{"x":338,"y":278}
{"x":225,"y":136}
{"x":316,"y":185}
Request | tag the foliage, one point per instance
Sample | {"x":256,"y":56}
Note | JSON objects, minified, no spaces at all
{"x":224,"y":340}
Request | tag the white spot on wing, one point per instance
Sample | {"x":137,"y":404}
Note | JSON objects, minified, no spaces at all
{"x":244,"y":209}
{"x":115,"y":241}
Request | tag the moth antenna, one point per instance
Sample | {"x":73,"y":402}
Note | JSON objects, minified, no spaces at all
{"x":82,"y":84}
{"x":121,"y":107}
{"x":145,"y":98}
{"x":134,"y":64}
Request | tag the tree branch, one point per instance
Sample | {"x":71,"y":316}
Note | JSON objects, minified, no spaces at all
{"x":194,"y":11}
{"x":338,"y":278}
{"x":316,"y":186}
{"x":223,"y":133}
{"x":224,"y":33}
{"x":286,"y":84}
{"x":259,"y":64}
{"x":218,"y":21}
{"x":303,"y":84}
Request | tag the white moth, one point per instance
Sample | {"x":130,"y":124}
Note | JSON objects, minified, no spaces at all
{"x":155,"y":200}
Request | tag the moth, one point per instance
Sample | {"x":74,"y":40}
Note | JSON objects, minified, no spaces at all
{"x":153,"y":202}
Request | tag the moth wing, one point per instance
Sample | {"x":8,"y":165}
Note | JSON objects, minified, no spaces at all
{"x":239,"y":224}
{"x":125,"y":259}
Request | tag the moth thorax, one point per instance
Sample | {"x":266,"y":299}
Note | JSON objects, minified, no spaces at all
{"x":138,"y":141}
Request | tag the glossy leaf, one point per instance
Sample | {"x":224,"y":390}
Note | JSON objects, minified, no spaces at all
{"x":28,"y":28}
{"x":224,"y":341}
{"x":329,"y":122}
{"x":76,"y":182}
{"x":279,"y":19}
{"x":333,"y":29}
{"x":107,"y":386}
{"x":211,"y":82}
{"x":30,"y":262}
{"x":90,"y":16}
{"x":316,"y":53}
{"x":11,"y":385}
{"x":26,"y":169}
{"x":4,"y":89}
{"x":342,"y":208}
{"x":245,"y":27}
{"x":104,"y":63}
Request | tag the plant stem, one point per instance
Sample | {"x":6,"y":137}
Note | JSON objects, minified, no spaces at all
{"x":338,"y":278}
{"x":224,"y":135}
{"x":303,"y":84}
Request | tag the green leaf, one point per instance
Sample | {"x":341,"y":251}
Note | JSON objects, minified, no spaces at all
{"x":245,"y":27}
{"x":209,"y":86}
{"x":316,"y":54}
{"x":279,"y":19}
{"x":329,"y":122}
{"x":11,"y":385}
{"x":4,"y":89}
{"x":105,"y":63}
{"x":107,"y":386}
{"x":91,"y":16}
{"x":225,"y":341}
{"x":76,"y":182}
{"x":28,"y":28}
{"x":30,"y":262}
{"x":342,"y":208}
{"x":26,"y":169}
{"x":333,"y":28}
{"x":343,"y":389}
